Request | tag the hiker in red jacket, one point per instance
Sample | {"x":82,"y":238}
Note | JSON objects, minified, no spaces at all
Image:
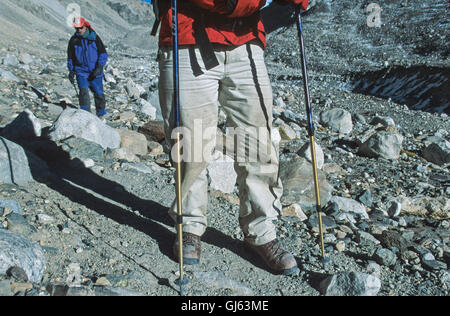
{"x":221,"y":62}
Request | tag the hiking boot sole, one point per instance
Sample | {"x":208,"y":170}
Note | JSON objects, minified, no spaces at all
{"x":291,"y":271}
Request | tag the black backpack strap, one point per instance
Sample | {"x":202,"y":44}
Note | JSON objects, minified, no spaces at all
{"x":204,"y":44}
{"x":156,"y":10}
{"x":155,"y":27}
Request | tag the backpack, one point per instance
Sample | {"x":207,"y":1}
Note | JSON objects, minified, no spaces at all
{"x":156,"y":10}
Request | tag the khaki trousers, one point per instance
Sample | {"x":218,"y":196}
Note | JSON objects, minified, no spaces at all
{"x":240,"y":84}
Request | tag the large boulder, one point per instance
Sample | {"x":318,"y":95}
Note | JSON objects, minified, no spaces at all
{"x":339,"y":120}
{"x":82,"y":124}
{"x":14,"y":163}
{"x":382,"y":144}
{"x":17,"y":251}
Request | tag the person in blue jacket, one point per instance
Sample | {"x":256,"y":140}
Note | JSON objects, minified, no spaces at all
{"x":86,"y":58}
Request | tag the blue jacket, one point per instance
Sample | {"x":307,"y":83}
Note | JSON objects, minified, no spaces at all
{"x":85,"y":53}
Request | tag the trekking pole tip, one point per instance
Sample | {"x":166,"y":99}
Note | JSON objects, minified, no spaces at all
{"x":181,"y":282}
{"x":326,"y":262}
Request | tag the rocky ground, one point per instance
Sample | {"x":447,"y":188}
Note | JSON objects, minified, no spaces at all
{"x":83,"y":204}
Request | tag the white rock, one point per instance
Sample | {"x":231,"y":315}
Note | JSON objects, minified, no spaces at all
{"x":305,"y":152}
{"x":82,"y":124}
{"x":45,"y":219}
{"x":148,"y":109}
{"x":382,"y":144}
{"x":14,"y":163}
{"x":88,"y":163}
{"x":221,"y":172}
{"x":351,"y":284}
{"x":350,"y":206}
{"x":294,"y":210}
{"x":339,"y":120}
{"x":15,"y":250}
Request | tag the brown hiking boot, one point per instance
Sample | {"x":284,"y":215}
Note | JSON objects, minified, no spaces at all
{"x":276,"y":257}
{"x":191,"y":248}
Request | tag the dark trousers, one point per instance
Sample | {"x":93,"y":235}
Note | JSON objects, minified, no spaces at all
{"x":96,"y":86}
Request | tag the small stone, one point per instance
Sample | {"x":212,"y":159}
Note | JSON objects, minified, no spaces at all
{"x":286,"y":132}
{"x":374,"y":269}
{"x":305,"y":152}
{"x":385,"y":257}
{"x":73,"y":274}
{"x":9,"y":207}
{"x":88,"y":163}
{"x":20,"y":287}
{"x":45,"y":219}
{"x":366,"y":198}
{"x":340,"y":246}
{"x":102,"y":281}
{"x":127,"y":116}
{"x":366,"y":239}
{"x":155,"y":148}
{"x":134,"y":141}
{"x":18,"y":274}
{"x":434,"y":265}
{"x":153,"y":130}
{"x":25,"y":58}
{"x":294,"y":210}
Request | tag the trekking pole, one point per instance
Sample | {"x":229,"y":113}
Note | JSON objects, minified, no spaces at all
{"x":78,"y":96}
{"x":76,"y":90}
{"x":311,"y":132}
{"x":181,"y":281}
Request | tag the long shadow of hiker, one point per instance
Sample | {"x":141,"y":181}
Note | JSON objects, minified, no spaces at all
{"x":72,"y":183}
{"x":75,"y":184}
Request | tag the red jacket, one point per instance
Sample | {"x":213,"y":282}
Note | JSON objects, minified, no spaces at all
{"x":229,"y":22}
